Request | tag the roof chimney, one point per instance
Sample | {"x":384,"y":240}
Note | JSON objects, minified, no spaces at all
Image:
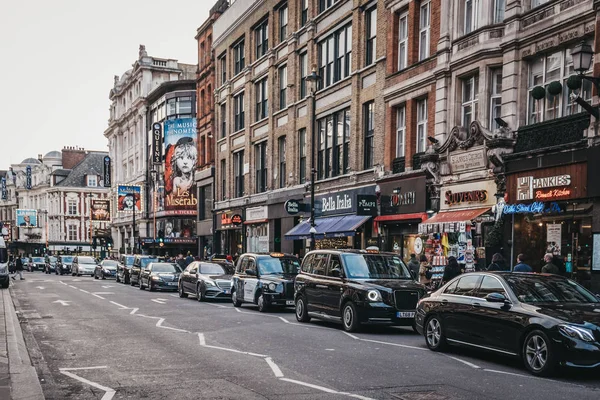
{"x":71,"y":156}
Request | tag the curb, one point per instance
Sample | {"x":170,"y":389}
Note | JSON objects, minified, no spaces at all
{"x":24,"y":381}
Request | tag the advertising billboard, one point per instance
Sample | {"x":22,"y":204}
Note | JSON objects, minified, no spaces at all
{"x":181,"y":156}
{"x":129,"y":198}
{"x":100,"y":210}
{"x":27,"y":218}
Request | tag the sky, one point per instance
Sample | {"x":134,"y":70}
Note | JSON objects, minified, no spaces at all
{"x":58,"y":59}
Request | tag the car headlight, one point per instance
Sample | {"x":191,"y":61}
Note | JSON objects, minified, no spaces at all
{"x":156,"y":278}
{"x":576,"y":332}
{"x":209,"y":283}
{"x":374,"y":295}
{"x":3,"y":270}
{"x":272,"y":286}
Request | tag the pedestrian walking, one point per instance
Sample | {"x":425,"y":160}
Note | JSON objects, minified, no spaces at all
{"x":414,"y":267}
{"x":521,"y":266}
{"x":452,"y":270}
{"x":180,"y":261}
{"x":18,"y":269}
{"x":189,"y":259}
{"x":498,"y":263}
{"x":550,"y":268}
{"x":424,"y":270}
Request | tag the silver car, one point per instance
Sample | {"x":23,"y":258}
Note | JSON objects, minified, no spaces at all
{"x":83,"y":265}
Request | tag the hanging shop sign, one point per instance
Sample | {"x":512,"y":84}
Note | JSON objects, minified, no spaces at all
{"x":100,"y":210}
{"x":157,"y":142}
{"x":292,"y":207}
{"x":366,"y":204}
{"x":549,"y":184}
{"x":403,"y":196}
{"x":4,"y":191}
{"x":106,"y":173}
{"x":468,"y":160}
{"x":237,"y":220}
{"x":28,"y":177}
{"x":533,"y":208}
{"x":341,"y":202}
{"x":476,"y":194}
{"x":129,"y":198}
{"x":529,"y":188}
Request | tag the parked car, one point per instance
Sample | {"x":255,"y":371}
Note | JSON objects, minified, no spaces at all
{"x":106,"y":269}
{"x":205,"y":281}
{"x":64,"y":264}
{"x":356,"y":287}
{"x":265,"y":280}
{"x":547,"y":320}
{"x":37,"y":264}
{"x":123,"y":267}
{"x":4,"y":273}
{"x":50,"y":264}
{"x":160,"y":275}
{"x":139,"y":263}
{"x":83,"y":265}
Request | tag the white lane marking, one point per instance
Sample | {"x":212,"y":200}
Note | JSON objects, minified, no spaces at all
{"x":464,"y":362}
{"x":201,"y":339}
{"x":133,"y":311}
{"x":74,"y":287}
{"x":107,"y":286}
{"x":284,"y":320}
{"x":63,"y":302}
{"x":100,"y":297}
{"x":329,"y":349}
{"x":63,"y":283}
{"x":84,"y":291}
{"x":158,"y":301}
{"x":393,"y":344}
{"x":216,"y":305}
{"x":109,"y":393}
{"x":174,"y":295}
{"x":40,"y":287}
{"x":160,"y":322}
{"x":512,"y":373}
{"x":323,"y":389}
{"x":119,"y":305}
{"x":104,"y":293}
{"x":83,"y":368}
{"x":274,"y":367}
{"x":351,"y":335}
{"x":76,"y":280}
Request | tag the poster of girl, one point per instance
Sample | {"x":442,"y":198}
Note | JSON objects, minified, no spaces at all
{"x":181,"y":156}
{"x":128,"y":198}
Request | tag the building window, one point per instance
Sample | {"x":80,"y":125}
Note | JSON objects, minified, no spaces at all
{"x":421,"y":125}
{"x":304,"y":13}
{"x":223,"y":67}
{"x":424,"y":25}
{"x":335,"y":56}
{"x":72,"y":207}
{"x":72,"y":233}
{"x":260,"y":161}
{"x":239,"y":57}
{"x":92,"y":181}
{"x":470,"y":97}
{"x":499,"y":7}
{"x":302,"y":153}
{"x":535,"y":3}
{"x":495,"y":98}
{"x":402,"y":41}
{"x":371,"y":36}
{"x":283,"y":23}
{"x":303,"y":74}
{"x":223,"y":115}
{"x":238,"y":171}
{"x":369,"y":116}
{"x":325,"y":4}
{"x":262,"y":100}
{"x":543,"y":70}
{"x":261,"y":39}
{"x":223,"y":180}
{"x":333,"y":144}
{"x":282,"y":87}
{"x":238,"y":105}
{"x":282,"y":164}
{"x":205,"y":202}
{"x":400,"y":131}
{"x":471,"y":15}
{"x":181,"y":107}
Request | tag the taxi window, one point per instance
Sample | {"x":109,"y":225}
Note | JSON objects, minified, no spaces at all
{"x":242,"y":265}
{"x":334,"y":269}
{"x":251,"y":264}
{"x":306,"y":263}
{"x":319,"y":264}
{"x":467,"y":285}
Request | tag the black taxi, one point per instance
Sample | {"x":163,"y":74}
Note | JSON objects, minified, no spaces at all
{"x":265,"y":280}
{"x":356,"y":287}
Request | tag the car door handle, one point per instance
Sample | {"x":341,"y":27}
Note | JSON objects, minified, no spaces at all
{"x":444,"y":300}
{"x":322,"y":286}
{"x":476,"y":305}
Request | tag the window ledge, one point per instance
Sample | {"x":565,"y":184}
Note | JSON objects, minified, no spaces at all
{"x":282,"y":111}
{"x":335,"y":85}
{"x":238,"y":132}
{"x":260,"y":121}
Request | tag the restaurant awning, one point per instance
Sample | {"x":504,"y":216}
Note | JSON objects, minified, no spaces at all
{"x":340,"y":226}
{"x":401,"y":217}
{"x":457,"y":216}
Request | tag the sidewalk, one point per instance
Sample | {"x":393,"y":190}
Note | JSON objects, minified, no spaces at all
{"x":18,"y":378}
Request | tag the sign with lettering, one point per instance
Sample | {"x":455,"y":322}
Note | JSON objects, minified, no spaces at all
{"x":225,"y":220}
{"x":237,"y":220}
{"x":529,"y":187}
{"x":474,"y":196}
{"x":467,"y":161}
{"x":28,"y":177}
{"x":558,"y":183}
{"x":4,"y":191}
{"x":107,"y":173}
{"x":100,"y":210}
{"x":292,"y":207}
{"x":157,"y":141}
{"x":403,"y":196}
{"x":366,"y":204}
{"x":340,"y":202}
{"x":467,"y":195}
{"x":533,"y":208}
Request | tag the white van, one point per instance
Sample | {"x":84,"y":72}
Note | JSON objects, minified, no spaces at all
{"x":4,"y":278}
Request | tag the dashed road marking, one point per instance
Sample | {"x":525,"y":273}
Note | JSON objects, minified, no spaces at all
{"x":109,"y":393}
{"x":63,"y":302}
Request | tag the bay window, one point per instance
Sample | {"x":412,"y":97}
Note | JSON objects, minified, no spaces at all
{"x":335,"y":56}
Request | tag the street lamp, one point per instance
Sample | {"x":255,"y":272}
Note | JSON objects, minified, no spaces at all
{"x":313,"y":79}
{"x":582,"y":55}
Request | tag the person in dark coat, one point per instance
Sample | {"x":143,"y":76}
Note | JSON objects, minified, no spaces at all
{"x":452,"y":270}
{"x":189,"y":259}
{"x":550,"y":268}
{"x":498,"y":263}
{"x":19,"y":268}
{"x":521,"y":266}
{"x":413,"y":266}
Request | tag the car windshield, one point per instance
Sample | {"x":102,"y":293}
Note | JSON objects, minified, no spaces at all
{"x":541,"y":290}
{"x":375,"y":266}
{"x":52,"y":259}
{"x":67,"y":259}
{"x":129,"y":260}
{"x":274,"y":265}
{"x":109,"y":263}
{"x":165,"y":267}
{"x":145,"y":261}
{"x":38,"y":260}
{"x":212,"y":269}
{"x":86,"y":260}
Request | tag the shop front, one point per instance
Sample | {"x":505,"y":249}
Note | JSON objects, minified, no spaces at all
{"x":402,"y":205}
{"x":256,"y":227}
{"x":230,"y":230}
{"x":550,"y":212}
{"x":343,"y":220}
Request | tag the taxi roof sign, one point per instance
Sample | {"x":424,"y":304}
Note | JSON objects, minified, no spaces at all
{"x":277,"y":255}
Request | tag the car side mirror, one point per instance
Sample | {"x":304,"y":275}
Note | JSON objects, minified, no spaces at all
{"x":250,"y":272}
{"x":496,"y":298}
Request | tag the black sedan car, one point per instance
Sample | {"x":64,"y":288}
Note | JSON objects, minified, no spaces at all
{"x":265,"y":280}
{"x":205,"y":281}
{"x":356,"y":287}
{"x":106,"y":269}
{"x":64,"y":265}
{"x":547,"y":320}
{"x":159,"y":275}
{"x":124,"y":268}
{"x":37,"y":264}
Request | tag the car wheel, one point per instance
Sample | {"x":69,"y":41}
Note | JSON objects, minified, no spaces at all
{"x":350,"y":317}
{"x":200,"y":295}
{"x":150,"y":287}
{"x":141,"y":285}
{"x":95,"y":276}
{"x":434,"y":334}
{"x":301,"y":310}
{"x":5,"y":285}
{"x":131,"y":282}
{"x":414,"y":327}
{"x":234,"y":299}
{"x":537,"y":354}
{"x":182,"y":294}
{"x":262,"y":303}
{"x":117,"y":279}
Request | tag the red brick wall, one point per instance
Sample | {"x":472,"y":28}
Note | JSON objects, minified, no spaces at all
{"x":204,"y":97}
{"x":71,"y":157}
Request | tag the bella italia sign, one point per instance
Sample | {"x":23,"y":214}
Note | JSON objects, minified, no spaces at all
{"x":342,"y":202}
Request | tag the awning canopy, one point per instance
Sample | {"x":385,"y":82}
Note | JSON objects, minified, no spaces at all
{"x":401,"y":217}
{"x":457,"y":216}
{"x":341,"y":226}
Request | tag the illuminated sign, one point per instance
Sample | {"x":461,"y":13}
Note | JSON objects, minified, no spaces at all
{"x":533,"y":208}
{"x":478,"y":196}
{"x":528,"y":186}
{"x":236,"y":219}
{"x":552,"y":194}
{"x":157,"y":141}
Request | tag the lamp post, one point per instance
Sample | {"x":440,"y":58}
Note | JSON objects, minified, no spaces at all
{"x":582,"y":56}
{"x":313,"y":79}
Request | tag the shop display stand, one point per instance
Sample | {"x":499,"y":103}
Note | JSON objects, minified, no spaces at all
{"x":438,"y":265}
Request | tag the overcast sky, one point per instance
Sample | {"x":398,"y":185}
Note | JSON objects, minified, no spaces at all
{"x":58,"y":58}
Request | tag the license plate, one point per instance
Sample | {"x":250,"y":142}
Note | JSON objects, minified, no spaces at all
{"x":289,"y":302}
{"x":401,"y":314}
{"x":175,"y":284}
